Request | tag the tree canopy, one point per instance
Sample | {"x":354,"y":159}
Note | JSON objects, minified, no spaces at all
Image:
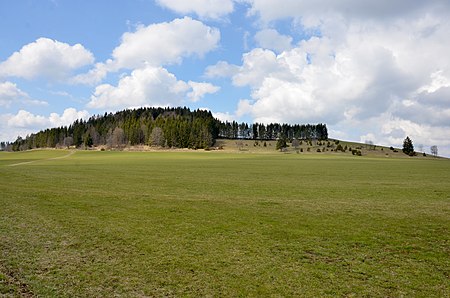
{"x":408,"y":147}
{"x":165,"y":127}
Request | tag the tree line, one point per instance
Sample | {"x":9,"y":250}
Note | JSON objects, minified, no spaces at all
{"x":164,"y":127}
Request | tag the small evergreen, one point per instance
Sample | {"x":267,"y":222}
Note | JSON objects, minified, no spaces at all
{"x":408,"y":147}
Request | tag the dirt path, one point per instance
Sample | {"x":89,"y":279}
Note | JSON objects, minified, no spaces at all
{"x":33,"y":161}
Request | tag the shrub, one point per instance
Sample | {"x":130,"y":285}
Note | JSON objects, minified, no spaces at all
{"x":356,"y":152}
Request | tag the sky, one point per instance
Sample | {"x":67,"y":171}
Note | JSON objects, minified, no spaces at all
{"x":371,"y":70}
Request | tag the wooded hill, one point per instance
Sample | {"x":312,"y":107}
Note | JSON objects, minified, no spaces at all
{"x":165,"y":127}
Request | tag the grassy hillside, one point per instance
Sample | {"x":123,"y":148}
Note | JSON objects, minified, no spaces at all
{"x":313,"y":147}
{"x":222,"y":224}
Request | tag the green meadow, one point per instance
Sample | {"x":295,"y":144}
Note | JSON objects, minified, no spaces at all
{"x":222,"y":224}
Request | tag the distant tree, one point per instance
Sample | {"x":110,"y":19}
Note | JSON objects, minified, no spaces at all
{"x":68,"y":141}
{"x":408,"y":147}
{"x":281,"y":144}
{"x":118,"y":138}
{"x":157,"y":137}
{"x":295,"y":144}
{"x":434,"y":150}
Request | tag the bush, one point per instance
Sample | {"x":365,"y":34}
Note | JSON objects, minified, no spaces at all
{"x":356,"y":152}
{"x":318,"y":149}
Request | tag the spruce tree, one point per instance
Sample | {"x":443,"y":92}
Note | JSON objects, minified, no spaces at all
{"x":408,"y":147}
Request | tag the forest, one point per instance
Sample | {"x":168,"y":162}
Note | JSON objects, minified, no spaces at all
{"x":163,"y":127}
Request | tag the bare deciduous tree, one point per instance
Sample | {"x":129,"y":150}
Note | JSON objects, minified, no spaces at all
{"x":157,"y":137}
{"x":434,"y":150}
{"x":117,"y":138}
{"x":68,"y":141}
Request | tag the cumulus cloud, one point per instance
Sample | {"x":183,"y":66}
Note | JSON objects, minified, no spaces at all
{"x":224,"y":116}
{"x":46,"y":58}
{"x":10,"y":93}
{"x":164,"y":43}
{"x":209,"y":9}
{"x":93,"y":76}
{"x":199,"y":90}
{"x":221,"y":69}
{"x":24,"y":122}
{"x":271,"y":39}
{"x":150,"y":86}
{"x":270,"y":10}
{"x":25,"y":119}
{"x":155,"y":45}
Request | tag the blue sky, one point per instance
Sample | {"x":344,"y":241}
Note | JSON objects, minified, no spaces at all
{"x":372,"y":70}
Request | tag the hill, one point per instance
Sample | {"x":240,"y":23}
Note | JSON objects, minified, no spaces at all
{"x":162,"y":127}
{"x":326,"y":147}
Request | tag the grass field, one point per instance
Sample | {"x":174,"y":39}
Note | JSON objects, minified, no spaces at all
{"x":136,"y":224}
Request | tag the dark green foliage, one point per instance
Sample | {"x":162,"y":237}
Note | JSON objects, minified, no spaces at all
{"x":179,"y":128}
{"x":356,"y":152}
{"x":281,"y":144}
{"x":408,"y":147}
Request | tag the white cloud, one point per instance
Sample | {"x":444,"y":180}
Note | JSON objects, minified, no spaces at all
{"x":209,"y":9}
{"x":201,"y":89}
{"x":24,"y":122}
{"x":25,"y":119}
{"x":271,"y":39}
{"x":221,"y":69}
{"x":68,"y":117}
{"x":152,"y":86}
{"x":10,"y":93}
{"x":224,"y":116}
{"x":270,"y":10}
{"x":94,"y":76}
{"x":164,"y":43}
{"x":46,"y":58}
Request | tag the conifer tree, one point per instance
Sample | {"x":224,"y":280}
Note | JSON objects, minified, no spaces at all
{"x":408,"y":147}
